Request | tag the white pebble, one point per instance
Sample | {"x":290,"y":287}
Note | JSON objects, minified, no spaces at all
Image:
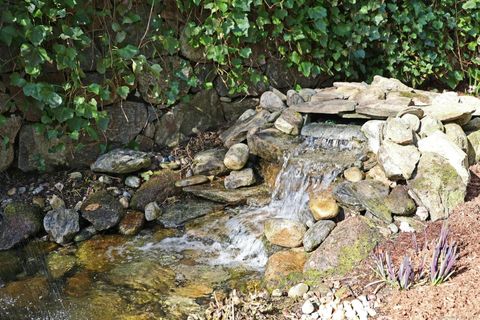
{"x":124,"y":202}
{"x":371,"y":312}
{"x":349,"y":312}
{"x":338,"y":314}
{"x":393,"y":227}
{"x":59,"y":186}
{"x":298,"y":290}
{"x":132,"y":182}
{"x":152,"y":211}
{"x":405,"y":227}
{"x":277,"y":293}
{"x":307,"y":307}
{"x":359,"y":309}
{"x":75,"y":175}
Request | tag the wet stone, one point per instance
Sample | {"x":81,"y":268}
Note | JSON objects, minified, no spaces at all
{"x":191,"y":181}
{"x":131,"y":223}
{"x":62,"y":224}
{"x":102,"y":210}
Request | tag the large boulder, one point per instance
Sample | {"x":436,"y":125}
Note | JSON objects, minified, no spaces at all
{"x":158,"y":188}
{"x":437,"y":185}
{"x":126,"y":121}
{"x":398,"y":161}
{"x":61,"y":224}
{"x":8,"y":133}
{"x":202,"y":112}
{"x":438,"y":142}
{"x":120,"y":161}
{"x":102,"y":210}
{"x":18,"y":222}
{"x":347,"y":245}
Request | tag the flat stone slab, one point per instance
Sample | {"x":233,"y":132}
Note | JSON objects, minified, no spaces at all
{"x":181,"y":212}
{"x":217,"y":193}
{"x":325,"y":107}
{"x":380,"y":109}
{"x":333,"y":131}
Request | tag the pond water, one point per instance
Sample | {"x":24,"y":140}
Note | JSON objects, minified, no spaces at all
{"x":164,"y":273}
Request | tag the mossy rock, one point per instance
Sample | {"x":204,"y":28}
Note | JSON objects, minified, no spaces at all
{"x":19,"y":222}
{"x":349,"y":243}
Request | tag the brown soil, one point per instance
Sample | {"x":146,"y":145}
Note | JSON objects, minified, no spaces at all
{"x":458,"y":298}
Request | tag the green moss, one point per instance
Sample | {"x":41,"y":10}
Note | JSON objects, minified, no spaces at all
{"x":350,"y":256}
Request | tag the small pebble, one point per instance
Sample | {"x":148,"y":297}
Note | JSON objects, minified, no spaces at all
{"x":405,"y":227}
{"x":359,"y":309}
{"x":393,"y":228}
{"x":114,"y":190}
{"x":422,"y":213}
{"x":152,"y":211}
{"x":56,"y":202}
{"x":132,"y":182}
{"x":124,"y":202}
{"x":307,"y":307}
{"x":354,"y":174}
{"x":22,"y":190}
{"x":78,"y":206}
{"x":126,"y":194}
{"x":37,"y":190}
{"x":12,"y":191}
{"x":298,"y":290}
{"x":39,"y":201}
{"x":75,"y":175}
{"x":105,"y":180}
{"x":59,"y":186}
{"x":277,"y":293}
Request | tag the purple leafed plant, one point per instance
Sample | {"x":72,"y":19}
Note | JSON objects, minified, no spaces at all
{"x":385,"y":269}
{"x":443,"y":259}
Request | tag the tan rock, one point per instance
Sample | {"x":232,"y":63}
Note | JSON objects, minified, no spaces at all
{"x":284,"y":232}
{"x":323,"y":205}
{"x":353,"y":174}
{"x":283,"y":263}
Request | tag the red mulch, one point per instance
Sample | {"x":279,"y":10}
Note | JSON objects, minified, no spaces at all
{"x":458,"y":298}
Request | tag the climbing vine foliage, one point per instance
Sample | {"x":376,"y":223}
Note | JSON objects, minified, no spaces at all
{"x":69,"y":58}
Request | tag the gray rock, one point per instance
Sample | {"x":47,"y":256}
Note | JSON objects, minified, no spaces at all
{"x":369,"y":95}
{"x":284,"y":232}
{"x":345,"y":194}
{"x":450,"y":112}
{"x":289,"y":122}
{"x":439,"y":143}
{"x":237,"y":156}
{"x":126,"y":121}
{"x":373,"y":131}
{"x":307,"y":93}
{"x":56,"y":202}
{"x":471,"y":101}
{"x":327,"y":94}
{"x":62,"y":225}
{"x":216,"y":192}
{"x":85,"y":234}
{"x":348,"y":244}
{"x":279,"y":94}
{"x":271,"y":102}
{"x":472,"y":125}
{"x":398,"y":161}
{"x":456,"y":134}
{"x":372,"y":195}
{"x":18,"y":222}
{"x":238,"y":179}
{"x":412,"y":120}
{"x":158,"y":188}
{"x":179,"y":213}
{"x":294,"y":98}
{"x":353,"y":174}
{"x":209,"y":162}
{"x":437,"y":185}
{"x":474,"y":147}
{"x":428,"y":125}
{"x":380,"y":109}
{"x":191,"y":181}
{"x":398,"y":131}
{"x":247,"y":114}
{"x":400,"y":203}
{"x":317,"y":234}
{"x":238,"y":132}
{"x":325,"y":107}
{"x":120,"y":161}
{"x":102,"y":210}
{"x":271,"y":144}
{"x":152,"y":211}
{"x":132,"y":182}
{"x":235,"y":109}
{"x":8,"y":133}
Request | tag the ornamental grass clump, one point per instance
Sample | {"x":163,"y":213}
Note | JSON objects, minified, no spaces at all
{"x":442,"y":265}
{"x":443,"y":259}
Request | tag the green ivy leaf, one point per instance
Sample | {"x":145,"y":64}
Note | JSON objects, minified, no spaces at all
{"x":128,"y":52}
{"x":123,"y":91}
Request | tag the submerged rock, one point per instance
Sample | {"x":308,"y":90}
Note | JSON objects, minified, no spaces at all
{"x":238,"y":179}
{"x":347,"y":245}
{"x":18,"y":222}
{"x":179,"y":213}
{"x":217,"y":192}
{"x":131,"y":223}
{"x":62,"y":224}
{"x":317,"y":234}
{"x":102,"y":210}
{"x":59,"y":264}
{"x":120,"y":161}
{"x":284,"y":232}
{"x":437,"y":185}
